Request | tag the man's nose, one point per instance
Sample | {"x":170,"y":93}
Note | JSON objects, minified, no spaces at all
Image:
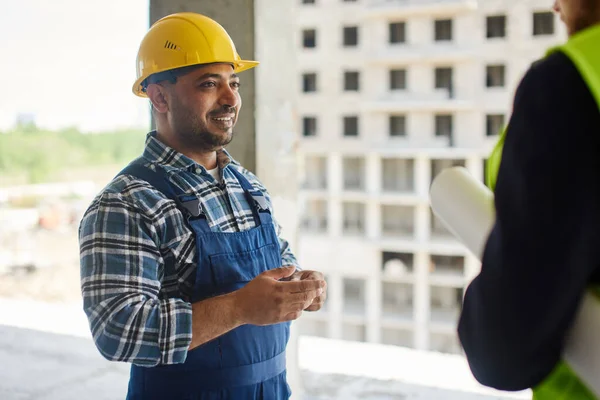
{"x":228,"y":97}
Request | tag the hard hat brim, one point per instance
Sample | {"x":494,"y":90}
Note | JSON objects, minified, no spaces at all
{"x":238,"y":66}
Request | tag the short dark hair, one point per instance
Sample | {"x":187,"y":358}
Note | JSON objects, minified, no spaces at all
{"x":170,"y":75}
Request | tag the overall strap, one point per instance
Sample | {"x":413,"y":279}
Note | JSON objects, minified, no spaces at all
{"x":158,"y":179}
{"x":256,"y":199}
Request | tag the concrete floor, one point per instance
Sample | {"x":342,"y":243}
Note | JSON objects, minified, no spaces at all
{"x":46,"y":366}
{"x":46,"y":354}
{"x":37,"y":365}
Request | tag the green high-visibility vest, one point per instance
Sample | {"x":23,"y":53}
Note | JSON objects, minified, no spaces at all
{"x":583,"y":49}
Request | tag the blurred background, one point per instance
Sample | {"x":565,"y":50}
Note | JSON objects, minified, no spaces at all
{"x":356,"y":106}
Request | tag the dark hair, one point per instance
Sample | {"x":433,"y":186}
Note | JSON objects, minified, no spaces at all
{"x":169,"y":75}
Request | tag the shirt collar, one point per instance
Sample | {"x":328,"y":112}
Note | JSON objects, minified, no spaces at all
{"x":157,"y":152}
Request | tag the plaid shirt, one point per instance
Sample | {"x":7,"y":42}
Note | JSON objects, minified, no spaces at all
{"x":138,"y":256}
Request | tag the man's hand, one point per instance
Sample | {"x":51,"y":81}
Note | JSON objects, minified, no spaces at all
{"x":307,"y":276}
{"x":270,"y":298}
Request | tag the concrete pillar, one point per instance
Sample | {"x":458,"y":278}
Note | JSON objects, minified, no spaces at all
{"x":373,"y":188}
{"x":335,"y":171}
{"x":374,"y":295}
{"x":422,"y":211}
{"x":334,"y":182}
{"x":421,"y":301}
{"x":373,"y":173}
{"x":422,"y":175}
{"x":238,"y":19}
{"x":275,"y":136}
{"x":422,"y":223}
{"x":335,"y":298}
{"x":373,"y":222}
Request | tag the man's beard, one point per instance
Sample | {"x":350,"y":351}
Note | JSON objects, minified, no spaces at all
{"x":194,"y":134}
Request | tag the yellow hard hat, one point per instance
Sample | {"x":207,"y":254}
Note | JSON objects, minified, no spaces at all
{"x":182,"y":40}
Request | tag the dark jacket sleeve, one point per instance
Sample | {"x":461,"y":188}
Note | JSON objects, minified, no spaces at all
{"x":545,"y":246}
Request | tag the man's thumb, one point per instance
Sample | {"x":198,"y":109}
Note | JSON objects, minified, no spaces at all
{"x":281,"y":272}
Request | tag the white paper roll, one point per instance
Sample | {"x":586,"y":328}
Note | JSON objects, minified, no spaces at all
{"x":466,"y":207}
{"x":582,"y":350}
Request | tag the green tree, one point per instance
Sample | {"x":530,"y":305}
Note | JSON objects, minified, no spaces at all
{"x":41,"y":154}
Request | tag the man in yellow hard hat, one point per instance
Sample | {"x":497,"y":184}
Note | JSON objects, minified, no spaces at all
{"x":184,"y":272}
{"x":543,"y":252}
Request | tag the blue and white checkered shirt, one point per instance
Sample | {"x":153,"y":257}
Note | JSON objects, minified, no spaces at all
{"x":138,"y":257}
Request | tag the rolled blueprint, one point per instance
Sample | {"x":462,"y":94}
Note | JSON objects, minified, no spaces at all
{"x":582,"y":350}
{"x":466,"y":207}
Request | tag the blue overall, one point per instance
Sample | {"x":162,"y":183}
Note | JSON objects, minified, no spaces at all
{"x":247,"y":362}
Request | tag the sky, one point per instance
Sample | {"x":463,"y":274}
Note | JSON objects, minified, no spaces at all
{"x":71,"y":63}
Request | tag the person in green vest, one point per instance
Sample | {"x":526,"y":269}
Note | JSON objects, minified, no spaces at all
{"x":543,"y":252}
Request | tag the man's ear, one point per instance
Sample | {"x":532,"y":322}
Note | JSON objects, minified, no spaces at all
{"x":158,"y":96}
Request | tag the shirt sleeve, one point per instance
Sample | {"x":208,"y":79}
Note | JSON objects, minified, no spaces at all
{"x":287,"y":256}
{"x":544,"y":247}
{"x":120,"y":283}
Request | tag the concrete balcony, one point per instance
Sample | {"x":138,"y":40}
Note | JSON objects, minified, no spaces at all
{"x":435,"y":53}
{"x":438,"y":101}
{"x":410,"y":8}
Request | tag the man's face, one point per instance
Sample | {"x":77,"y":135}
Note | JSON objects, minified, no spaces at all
{"x":578,"y":14}
{"x":204,"y":107}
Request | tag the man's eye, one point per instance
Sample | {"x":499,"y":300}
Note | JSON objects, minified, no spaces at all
{"x":208,"y":84}
{"x":236,"y":84}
